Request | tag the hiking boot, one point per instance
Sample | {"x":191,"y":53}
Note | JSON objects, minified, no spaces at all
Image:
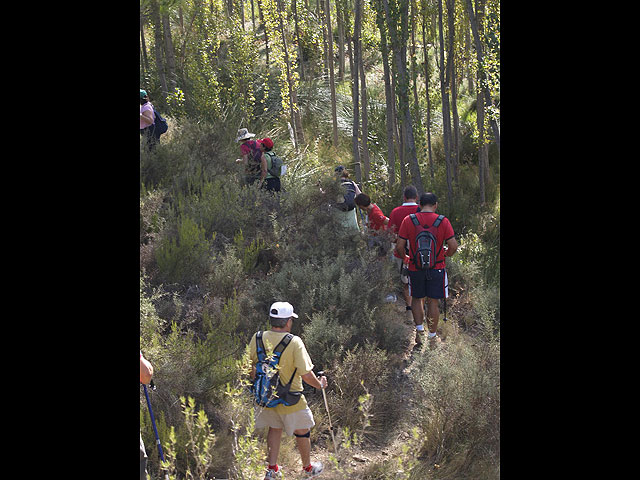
{"x":419,"y":338}
{"x":434,"y":341}
{"x":272,"y":474}
{"x":316,"y":469}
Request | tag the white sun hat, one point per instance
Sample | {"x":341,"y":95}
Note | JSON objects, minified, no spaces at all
{"x":282,"y":310}
{"x":243,"y":134}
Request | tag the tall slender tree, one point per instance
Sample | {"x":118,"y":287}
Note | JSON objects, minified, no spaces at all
{"x":446,"y":111}
{"x":398,"y":15}
{"x":332,"y":84}
{"x":356,"y":92}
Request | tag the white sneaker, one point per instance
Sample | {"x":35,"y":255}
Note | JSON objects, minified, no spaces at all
{"x":316,"y":469}
{"x":272,"y":474}
{"x":434,"y":341}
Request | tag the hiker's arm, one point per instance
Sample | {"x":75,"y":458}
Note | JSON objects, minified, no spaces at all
{"x":146,"y":370}
{"x":147,"y":117}
{"x":452,"y":246}
{"x":263,"y":168}
{"x":253,"y":372}
{"x":244,"y":159}
{"x":311,"y":379}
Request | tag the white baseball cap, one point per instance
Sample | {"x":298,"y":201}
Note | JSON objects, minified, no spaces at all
{"x":282,"y":310}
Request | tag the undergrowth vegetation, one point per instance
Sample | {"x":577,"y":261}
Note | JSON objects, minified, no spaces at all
{"x":215,"y":254}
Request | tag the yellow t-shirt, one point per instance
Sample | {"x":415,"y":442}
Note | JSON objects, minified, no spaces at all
{"x":294,"y":356}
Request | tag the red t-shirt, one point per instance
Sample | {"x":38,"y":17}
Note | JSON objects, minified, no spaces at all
{"x":443,"y":233}
{"x":376,"y":218}
{"x":397,"y":215}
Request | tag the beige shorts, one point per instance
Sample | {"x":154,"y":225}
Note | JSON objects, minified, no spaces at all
{"x":300,"y":420}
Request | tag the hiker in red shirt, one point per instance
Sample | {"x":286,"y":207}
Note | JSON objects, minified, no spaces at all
{"x":376,"y":224}
{"x":409,"y":205}
{"x":431,"y":283}
{"x":376,"y":220}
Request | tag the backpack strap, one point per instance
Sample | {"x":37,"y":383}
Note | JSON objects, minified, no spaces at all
{"x":260,"y":350}
{"x":283,"y":343}
{"x":414,"y":219}
{"x":437,"y":224}
{"x":260,"y":346}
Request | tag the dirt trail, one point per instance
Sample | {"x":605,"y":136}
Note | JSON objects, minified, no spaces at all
{"x":357,"y":460}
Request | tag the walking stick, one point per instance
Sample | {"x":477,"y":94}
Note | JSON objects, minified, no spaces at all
{"x":153,"y":422}
{"x":324,"y":395}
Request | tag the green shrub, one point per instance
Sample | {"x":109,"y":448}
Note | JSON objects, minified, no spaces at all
{"x":184,"y":259}
{"x":364,"y":370}
{"x":458,"y":408}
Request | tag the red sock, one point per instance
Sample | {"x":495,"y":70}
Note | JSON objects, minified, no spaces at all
{"x":274,"y":467}
{"x":307,"y":469}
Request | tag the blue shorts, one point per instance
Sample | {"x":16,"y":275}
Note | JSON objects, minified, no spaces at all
{"x":429,"y":283}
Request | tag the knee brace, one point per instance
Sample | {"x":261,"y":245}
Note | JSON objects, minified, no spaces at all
{"x":305,"y":435}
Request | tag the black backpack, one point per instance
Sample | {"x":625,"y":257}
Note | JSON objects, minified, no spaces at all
{"x":267,"y":389}
{"x":349,"y":202}
{"x":160,"y":126}
{"x":425,"y":256}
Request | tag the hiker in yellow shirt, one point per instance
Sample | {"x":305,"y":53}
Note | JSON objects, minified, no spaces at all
{"x":295,"y":419}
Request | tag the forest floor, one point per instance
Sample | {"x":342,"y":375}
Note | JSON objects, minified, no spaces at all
{"x":363,"y":460}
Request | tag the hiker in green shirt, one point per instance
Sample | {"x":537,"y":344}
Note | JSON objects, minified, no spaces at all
{"x":267,"y":180}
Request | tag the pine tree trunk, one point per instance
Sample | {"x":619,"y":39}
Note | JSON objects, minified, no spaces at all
{"x":253,"y":17}
{"x":426,"y":81}
{"x":158,"y":38}
{"x":266,"y":37}
{"x":294,"y":6}
{"x":481,"y":84}
{"x":366,"y":163}
{"x":168,"y":48}
{"x":356,"y":92}
{"x":455,"y":138}
{"x":388,"y":93}
{"x":144,"y":60}
{"x":332,"y":84}
{"x":293,"y":101}
{"x":365,"y":121}
{"x":446,"y":115}
{"x":399,"y":42}
{"x":341,"y":56}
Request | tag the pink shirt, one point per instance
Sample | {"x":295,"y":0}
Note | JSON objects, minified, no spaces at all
{"x":143,"y":108}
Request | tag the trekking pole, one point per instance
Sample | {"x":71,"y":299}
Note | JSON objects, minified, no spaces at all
{"x":324,"y":395}
{"x":153,"y":422}
{"x":445,"y":308}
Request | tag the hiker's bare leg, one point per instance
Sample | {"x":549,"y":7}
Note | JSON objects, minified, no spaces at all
{"x":273,"y":444}
{"x":417,"y":310}
{"x":304,"y":446}
{"x":433,"y":314}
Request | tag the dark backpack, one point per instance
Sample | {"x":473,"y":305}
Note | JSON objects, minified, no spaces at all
{"x":160,"y":126}
{"x":349,"y":197}
{"x":425,"y":256}
{"x":276,"y":164}
{"x":267,"y":389}
{"x":253,"y":166}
